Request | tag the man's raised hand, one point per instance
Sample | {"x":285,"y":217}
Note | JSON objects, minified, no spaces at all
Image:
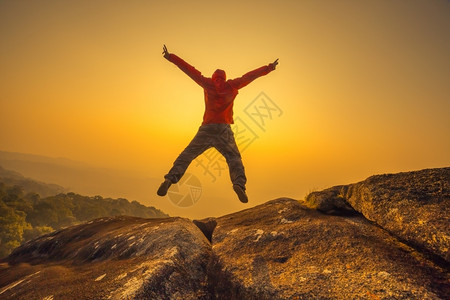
{"x":165,"y":52}
{"x":274,"y":64}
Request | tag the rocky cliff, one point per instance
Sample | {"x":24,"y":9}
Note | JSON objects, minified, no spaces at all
{"x":383,"y":238}
{"x":413,"y":206}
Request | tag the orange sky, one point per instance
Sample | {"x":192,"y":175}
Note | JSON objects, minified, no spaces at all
{"x":362,"y":86}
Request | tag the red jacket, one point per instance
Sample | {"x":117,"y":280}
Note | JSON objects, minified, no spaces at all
{"x":219,"y":101}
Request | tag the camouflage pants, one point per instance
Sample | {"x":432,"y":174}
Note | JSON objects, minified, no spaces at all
{"x":219,"y":136}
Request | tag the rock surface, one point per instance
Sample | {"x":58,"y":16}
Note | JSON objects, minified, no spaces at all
{"x":282,"y":249}
{"x":414,"y":206}
{"x":118,"y":258}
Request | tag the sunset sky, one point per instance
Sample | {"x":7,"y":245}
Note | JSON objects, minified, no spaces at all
{"x":362,"y":88}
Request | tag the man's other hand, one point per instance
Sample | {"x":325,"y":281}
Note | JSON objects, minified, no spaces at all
{"x":165,"y":52}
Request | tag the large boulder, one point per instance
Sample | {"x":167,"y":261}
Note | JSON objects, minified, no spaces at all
{"x":111,"y":258}
{"x":414,"y":206}
{"x":284,"y":250}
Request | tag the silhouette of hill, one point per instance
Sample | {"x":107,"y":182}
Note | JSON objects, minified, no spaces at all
{"x":348,"y":242}
{"x":79,"y":177}
{"x":28,"y":185}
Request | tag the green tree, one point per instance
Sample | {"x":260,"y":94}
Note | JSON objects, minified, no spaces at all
{"x":12,"y":227}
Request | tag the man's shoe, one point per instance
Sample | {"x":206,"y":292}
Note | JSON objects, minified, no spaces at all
{"x":240,"y":191}
{"x":162,"y":191}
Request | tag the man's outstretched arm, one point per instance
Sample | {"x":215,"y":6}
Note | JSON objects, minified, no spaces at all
{"x":252,"y":75}
{"x":184,"y":66}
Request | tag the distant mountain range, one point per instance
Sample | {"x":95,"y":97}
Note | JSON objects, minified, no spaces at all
{"x":79,"y":177}
{"x":12,"y":178}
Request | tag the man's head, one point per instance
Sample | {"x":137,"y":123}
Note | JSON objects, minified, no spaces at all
{"x":219,"y":75}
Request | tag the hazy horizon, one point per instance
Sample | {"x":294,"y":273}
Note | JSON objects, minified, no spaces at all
{"x":361,"y":89}
{"x":91,"y":180}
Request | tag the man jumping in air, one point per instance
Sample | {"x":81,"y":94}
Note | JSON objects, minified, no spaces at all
{"x":215,"y":130}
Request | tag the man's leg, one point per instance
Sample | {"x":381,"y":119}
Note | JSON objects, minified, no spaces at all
{"x":226,"y":145}
{"x":200,"y":143}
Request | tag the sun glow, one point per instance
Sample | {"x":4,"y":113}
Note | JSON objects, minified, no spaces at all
{"x":362,"y":87}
